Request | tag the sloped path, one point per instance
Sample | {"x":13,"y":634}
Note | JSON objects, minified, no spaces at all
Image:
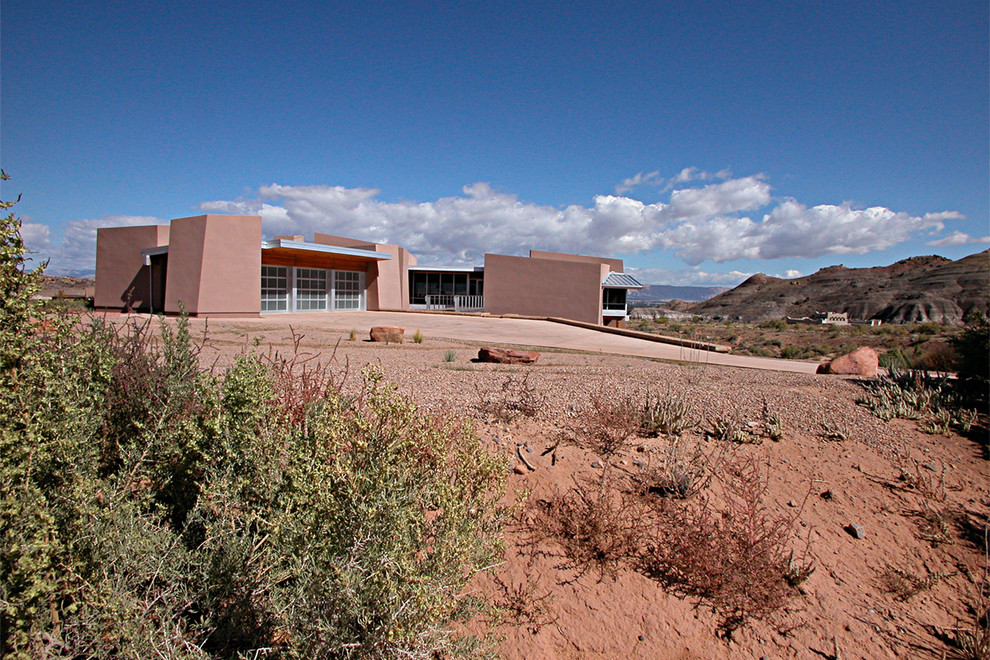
{"x":524,"y":332}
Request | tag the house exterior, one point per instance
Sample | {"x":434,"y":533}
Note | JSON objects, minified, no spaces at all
{"x":219,"y":265}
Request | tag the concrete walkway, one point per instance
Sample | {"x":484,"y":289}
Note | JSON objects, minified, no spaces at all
{"x":524,"y":332}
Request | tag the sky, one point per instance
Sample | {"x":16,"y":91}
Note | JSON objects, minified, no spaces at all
{"x":699,"y":141}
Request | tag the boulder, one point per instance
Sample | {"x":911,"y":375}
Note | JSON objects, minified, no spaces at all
{"x":507,"y":356}
{"x":390,"y":334}
{"x":864,"y":361}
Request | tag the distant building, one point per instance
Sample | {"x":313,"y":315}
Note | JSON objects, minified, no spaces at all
{"x":830,"y":318}
{"x":218,"y":265}
{"x":822,"y":318}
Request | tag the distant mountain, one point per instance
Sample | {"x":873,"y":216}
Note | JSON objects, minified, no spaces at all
{"x":662,"y":292}
{"x":928,"y":288}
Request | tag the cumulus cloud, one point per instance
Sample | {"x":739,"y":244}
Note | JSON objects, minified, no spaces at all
{"x":76,"y":253}
{"x":704,"y":217}
{"x":36,"y":236}
{"x":687,"y":277}
{"x":700,"y":222}
{"x":958,"y":238}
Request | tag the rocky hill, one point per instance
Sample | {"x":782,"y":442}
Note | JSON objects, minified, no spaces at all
{"x":918,"y":289}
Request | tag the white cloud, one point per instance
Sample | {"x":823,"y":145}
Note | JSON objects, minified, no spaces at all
{"x":958,"y":238}
{"x":36,"y":236}
{"x":687,"y":277}
{"x":699,"y":223}
{"x":792,"y":274}
{"x":720,"y":221}
{"x":76,"y":254}
{"x":639,"y":179}
{"x":654,"y":179}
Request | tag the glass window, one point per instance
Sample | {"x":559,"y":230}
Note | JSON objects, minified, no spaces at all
{"x":311,"y":289}
{"x":348,"y":289}
{"x":274,"y":289}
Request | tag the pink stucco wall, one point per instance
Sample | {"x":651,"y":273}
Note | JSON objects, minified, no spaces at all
{"x":544,"y":287}
{"x":120,"y":271}
{"x":614,"y":265}
{"x":214,"y":265}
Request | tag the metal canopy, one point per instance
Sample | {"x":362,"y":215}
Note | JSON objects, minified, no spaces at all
{"x":621,"y":281}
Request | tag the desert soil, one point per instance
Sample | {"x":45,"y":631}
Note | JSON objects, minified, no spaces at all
{"x":845,"y":609}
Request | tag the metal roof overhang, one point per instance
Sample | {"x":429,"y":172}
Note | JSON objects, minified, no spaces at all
{"x":155,"y":251}
{"x":621,"y":281}
{"x":303,"y":246}
{"x":447,"y":269}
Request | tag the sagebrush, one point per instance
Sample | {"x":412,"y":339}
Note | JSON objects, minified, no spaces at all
{"x":151,"y":508}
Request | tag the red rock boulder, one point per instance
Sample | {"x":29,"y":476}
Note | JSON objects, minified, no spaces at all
{"x":864,"y":361}
{"x":507,"y":356}
{"x":390,"y":334}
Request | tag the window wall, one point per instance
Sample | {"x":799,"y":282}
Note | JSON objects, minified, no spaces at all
{"x":423,"y":283}
{"x":290,"y":289}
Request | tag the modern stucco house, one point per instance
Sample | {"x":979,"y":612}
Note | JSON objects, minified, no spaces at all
{"x":219,"y":265}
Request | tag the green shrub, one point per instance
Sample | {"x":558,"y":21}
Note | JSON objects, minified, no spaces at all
{"x":418,"y":336}
{"x":972,"y":348}
{"x":150,"y":508}
{"x":773,"y":324}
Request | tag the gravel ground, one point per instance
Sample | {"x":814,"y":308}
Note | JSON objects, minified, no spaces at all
{"x":444,"y":375}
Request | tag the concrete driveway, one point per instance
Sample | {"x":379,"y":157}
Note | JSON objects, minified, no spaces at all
{"x":526,"y":332}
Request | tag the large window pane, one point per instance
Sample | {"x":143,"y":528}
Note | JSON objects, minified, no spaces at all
{"x":274,"y":289}
{"x":311,"y":289}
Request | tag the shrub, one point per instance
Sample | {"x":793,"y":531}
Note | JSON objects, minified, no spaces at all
{"x":972,"y":348}
{"x":596,"y":526}
{"x":773,"y":324}
{"x":680,"y":469}
{"x":608,"y":424}
{"x":151,"y":508}
{"x":666,"y":414}
{"x":933,"y":400}
{"x":418,"y":336}
{"x":449,"y":356}
{"x":514,"y":397}
{"x":735,"y":556}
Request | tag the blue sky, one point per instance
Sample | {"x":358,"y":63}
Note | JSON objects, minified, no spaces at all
{"x":699,"y":141}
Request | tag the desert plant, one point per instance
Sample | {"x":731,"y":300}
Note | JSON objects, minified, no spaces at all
{"x":524,"y":605}
{"x":418,"y":336}
{"x":666,"y":414}
{"x":352,"y":335}
{"x":153,"y":508}
{"x":731,"y":553}
{"x":934,"y":400}
{"x":972,"y":348}
{"x":773,"y":425}
{"x":905,"y":585}
{"x":727,"y":429}
{"x":680,"y":468}
{"x":596,"y":526}
{"x":449,"y":356}
{"x":509,"y":399}
{"x":935,"y":525}
{"x":607,"y":424}
{"x":834,"y":431}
